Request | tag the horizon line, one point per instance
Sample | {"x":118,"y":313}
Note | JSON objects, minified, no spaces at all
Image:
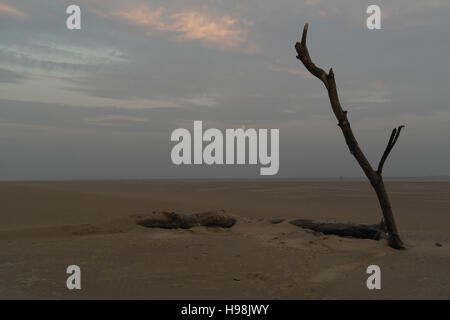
{"x":434,"y":178}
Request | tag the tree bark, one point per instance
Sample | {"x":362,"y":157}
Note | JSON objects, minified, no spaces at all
{"x":375,"y":177}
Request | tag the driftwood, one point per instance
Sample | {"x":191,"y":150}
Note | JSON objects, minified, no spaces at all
{"x":172,"y":220}
{"x":374,"y":176}
{"x":361,"y":231}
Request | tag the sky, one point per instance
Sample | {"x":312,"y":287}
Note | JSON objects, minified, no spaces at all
{"x":102,"y":102}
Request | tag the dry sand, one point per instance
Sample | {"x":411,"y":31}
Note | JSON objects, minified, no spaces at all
{"x":44,"y":227}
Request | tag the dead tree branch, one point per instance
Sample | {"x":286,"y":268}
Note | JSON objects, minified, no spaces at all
{"x":392,"y":140}
{"x":374,"y":177}
{"x":361,"y":231}
{"x":173,"y":220}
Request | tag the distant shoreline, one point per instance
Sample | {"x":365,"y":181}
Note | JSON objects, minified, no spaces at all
{"x":257,"y":179}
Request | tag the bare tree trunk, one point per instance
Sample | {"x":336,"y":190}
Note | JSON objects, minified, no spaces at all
{"x":385,"y":204}
{"x":375,"y":177}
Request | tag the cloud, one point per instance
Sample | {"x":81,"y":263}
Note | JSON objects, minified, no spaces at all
{"x":212,"y":30}
{"x":218,"y":31}
{"x":59,"y":53}
{"x":44,"y":57}
{"x":203,"y":100}
{"x":11,"y":11}
{"x":114,"y":120}
{"x":8,"y":76}
{"x":143,"y":15}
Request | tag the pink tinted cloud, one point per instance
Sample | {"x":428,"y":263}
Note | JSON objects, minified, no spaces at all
{"x":143,"y":16}
{"x":11,"y":11}
{"x":222,"y":32}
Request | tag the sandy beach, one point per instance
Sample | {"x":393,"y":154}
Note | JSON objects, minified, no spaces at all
{"x":46,"y":226}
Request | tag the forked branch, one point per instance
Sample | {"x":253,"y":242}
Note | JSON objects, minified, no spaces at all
{"x":392,"y":140}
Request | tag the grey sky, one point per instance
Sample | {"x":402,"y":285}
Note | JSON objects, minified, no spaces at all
{"x":101,"y":102}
